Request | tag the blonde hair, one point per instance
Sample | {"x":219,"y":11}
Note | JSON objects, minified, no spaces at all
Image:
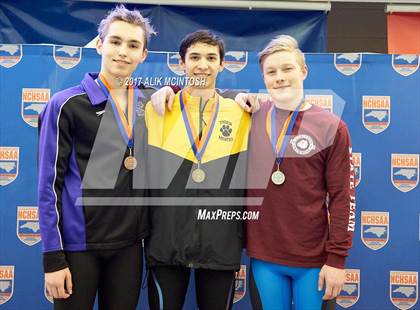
{"x":134,"y":17}
{"x":282,"y":43}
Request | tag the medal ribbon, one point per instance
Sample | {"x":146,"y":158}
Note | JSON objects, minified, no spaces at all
{"x":198,"y":145}
{"x":126,"y":128}
{"x":279,"y":143}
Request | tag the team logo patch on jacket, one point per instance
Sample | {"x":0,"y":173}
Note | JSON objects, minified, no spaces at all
{"x":7,"y":276}
{"x":10,"y":55}
{"x":323,"y":101}
{"x":375,"y":229}
{"x":33,"y":102}
{"x":27,"y":226}
{"x":376,"y":114}
{"x":240,"y":284}
{"x":348,"y":63}
{"x":235,"y":61}
{"x":405,"y":64}
{"x":173,"y":62}
{"x":9,"y":164}
{"x":357,"y":162}
{"x":403,"y":288}
{"x":405,"y":171}
{"x":225,"y":131}
{"x":302,"y":144}
{"x":67,"y":56}
{"x":350,"y":293}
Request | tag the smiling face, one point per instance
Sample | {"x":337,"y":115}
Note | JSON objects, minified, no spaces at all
{"x":122,"y":49}
{"x":203,"y":61}
{"x":284,"y":76}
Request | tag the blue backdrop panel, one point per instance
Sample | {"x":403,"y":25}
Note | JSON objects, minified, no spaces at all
{"x":75,"y":23}
{"x":378,"y":97}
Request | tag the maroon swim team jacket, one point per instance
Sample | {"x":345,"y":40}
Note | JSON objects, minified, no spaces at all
{"x":293,"y":228}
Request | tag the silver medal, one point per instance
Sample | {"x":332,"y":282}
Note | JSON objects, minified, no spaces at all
{"x":278,"y":177}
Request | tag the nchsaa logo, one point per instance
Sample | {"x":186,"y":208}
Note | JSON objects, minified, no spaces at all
{"x":348,"y":63}
{"x":240,"y":284}
{"x":235,"y":61}
{"x":173,"y":62}
{"x":33,"y":102}
{"x":9,"y":164}
{"x":323,"y":101}
{"x":405,"y":64}
{"x":66,"y":56}
{"x":405,"y":171}
{"x":375,"y":229}
{"x":357,"y":163}
{"x":350,"y":292}
{"x":10,"y":55}
{"x":403,"y":288}
{"x":7,"y":276}
{"x":376,"y":113}
{"x":27,"y":225}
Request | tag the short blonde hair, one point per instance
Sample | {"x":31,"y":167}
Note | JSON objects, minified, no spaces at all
{"x":282,"y":43}
{"x":134,"y":17}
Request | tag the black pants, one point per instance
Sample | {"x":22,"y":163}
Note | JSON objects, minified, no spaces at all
{"x":168,"y":286}
{"x":114,"y":274}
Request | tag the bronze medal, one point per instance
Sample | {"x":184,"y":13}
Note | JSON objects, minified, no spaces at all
{"x":130,"y":162}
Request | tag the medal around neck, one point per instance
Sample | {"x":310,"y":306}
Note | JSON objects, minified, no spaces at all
{"x":198,"y":175}
{"x":279,"y":143}
{"x":278,"y":177}
{"x":130,"y":162}
{"x":125,"y":124}
{"x":198,"y":144}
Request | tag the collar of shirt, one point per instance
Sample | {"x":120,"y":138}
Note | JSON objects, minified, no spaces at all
{"x":194,"y":103}
{"x":94,"y":91}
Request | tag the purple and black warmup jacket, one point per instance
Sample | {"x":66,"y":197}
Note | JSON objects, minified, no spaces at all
{"x":87,"y":199}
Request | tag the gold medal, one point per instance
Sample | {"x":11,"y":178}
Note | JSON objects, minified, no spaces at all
{"x":198,"y":139}
{"x":130,"y":162}
{"x":278,"y":177}
{"x":198,"y":175}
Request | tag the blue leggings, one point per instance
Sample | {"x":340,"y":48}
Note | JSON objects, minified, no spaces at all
{"x":276,"y":285}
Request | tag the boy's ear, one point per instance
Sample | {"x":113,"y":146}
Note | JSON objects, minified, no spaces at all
{"x":145,"y":53}
{"x":99,"y":46}
{"x":305,"y":72}
{"x":222,"y":66}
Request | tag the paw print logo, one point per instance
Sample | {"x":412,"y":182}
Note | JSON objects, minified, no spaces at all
{"x":226,"y":130}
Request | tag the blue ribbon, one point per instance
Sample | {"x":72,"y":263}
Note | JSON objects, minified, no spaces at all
{"x":198,"y":153}
{"x":280,"y":155}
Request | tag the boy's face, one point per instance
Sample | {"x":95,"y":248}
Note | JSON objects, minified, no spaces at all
{"x":283,"y":76}
{"x":122,"y":49}
{"x":203,"y":61}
